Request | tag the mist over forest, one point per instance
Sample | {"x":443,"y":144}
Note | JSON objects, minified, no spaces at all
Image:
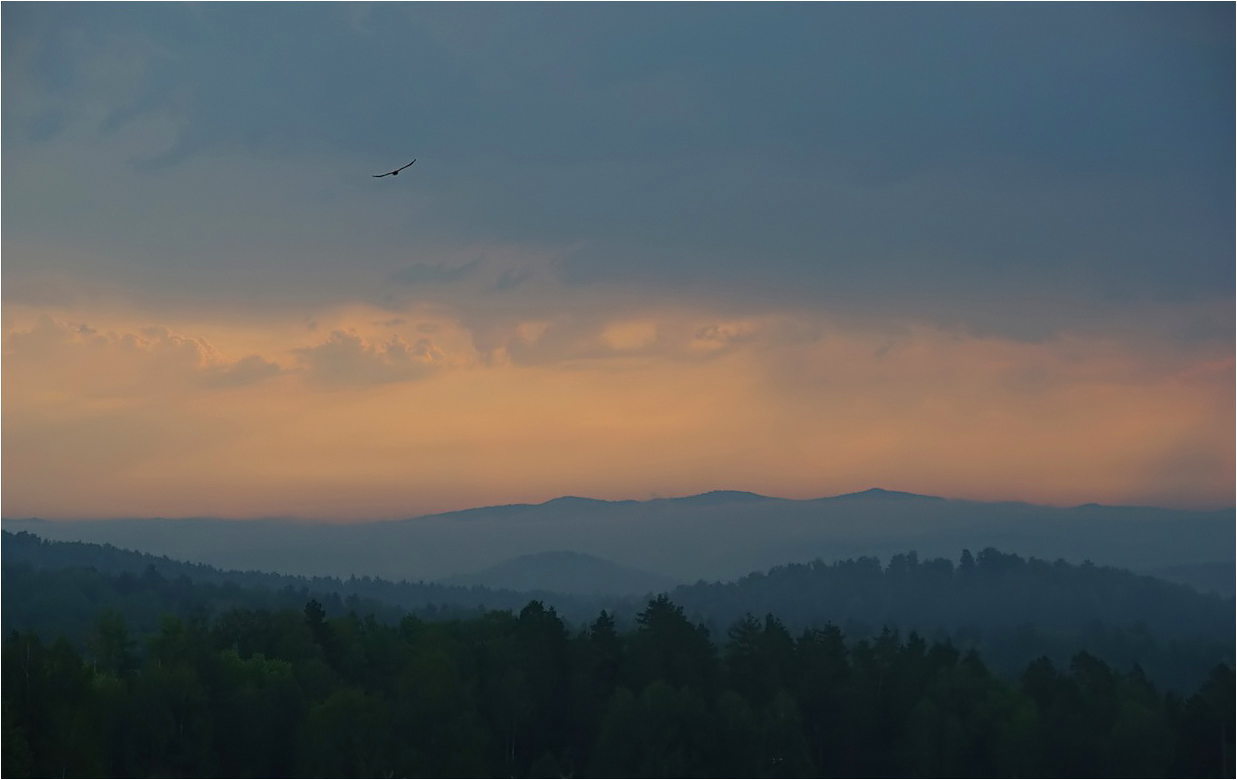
{"x":713,"y":536}
{"x":731,"y":634}
{"x":707,"y":662}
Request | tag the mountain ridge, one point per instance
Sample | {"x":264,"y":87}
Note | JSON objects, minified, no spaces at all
{"x":720,"y":495}
{"x":712,"y":536}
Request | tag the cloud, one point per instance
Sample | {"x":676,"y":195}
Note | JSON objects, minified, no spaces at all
{"x":821,"y":177}
{"x":614,"y":335}
{"x":153,"y":421}
{"x":247,"y":370}
{"x":347,"y":360}
{"x":435,"y":273}
{"x":52,"y":355}
{"x":644,"y":240}
{"x":512,"y":278}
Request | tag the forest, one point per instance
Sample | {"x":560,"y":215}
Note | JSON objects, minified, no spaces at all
{"x":117,"y":663}
{"x":295,"y":693}
{"x":1010,"y":609}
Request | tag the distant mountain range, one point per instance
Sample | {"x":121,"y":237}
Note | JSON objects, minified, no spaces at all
{"x":713,"y":536}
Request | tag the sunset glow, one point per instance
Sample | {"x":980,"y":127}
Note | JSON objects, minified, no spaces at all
{"x":366,"y":415}
{"x":606,"y":276}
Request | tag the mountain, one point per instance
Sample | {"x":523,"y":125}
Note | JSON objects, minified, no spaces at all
{"x":566,"y":572}
{"x":721,"y":497}
{"x":712,"y":536}
{"x":563,"y":505}
{"x":881,"y":494}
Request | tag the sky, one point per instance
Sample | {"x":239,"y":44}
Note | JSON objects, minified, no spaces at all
{"x":978,"y":251}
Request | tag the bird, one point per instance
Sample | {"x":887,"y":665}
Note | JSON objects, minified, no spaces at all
{"x":392,"y":173}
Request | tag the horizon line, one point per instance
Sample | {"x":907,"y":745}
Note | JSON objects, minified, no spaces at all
{"x":870,"y":493}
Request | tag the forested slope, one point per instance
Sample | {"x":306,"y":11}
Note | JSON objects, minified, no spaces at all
{"x":103,"y":582}
{"x":1012,"y":609}
{"x":275,"y":694}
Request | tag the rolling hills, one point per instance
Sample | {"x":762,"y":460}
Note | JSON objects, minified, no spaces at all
{"x":713,"y":536}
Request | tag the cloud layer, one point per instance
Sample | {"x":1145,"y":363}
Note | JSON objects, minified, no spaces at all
{"x":364,"y":421}
{"x":982,"y":251}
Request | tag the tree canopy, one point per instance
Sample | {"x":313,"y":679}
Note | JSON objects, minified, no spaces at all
{"x":257,"y":692}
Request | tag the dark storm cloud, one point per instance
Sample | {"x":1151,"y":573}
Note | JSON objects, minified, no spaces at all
{"x":434,"y":273}
{"x":936,"y":160}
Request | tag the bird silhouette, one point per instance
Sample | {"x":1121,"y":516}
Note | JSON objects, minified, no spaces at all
{"x":392,"y":173}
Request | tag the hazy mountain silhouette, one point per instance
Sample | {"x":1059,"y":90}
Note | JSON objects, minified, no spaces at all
{"x":882,"y":494}
{"x":563,"y":505}
{"x":566,"y":572}
{"x":722,"y":497}
{"x":712,"y":536}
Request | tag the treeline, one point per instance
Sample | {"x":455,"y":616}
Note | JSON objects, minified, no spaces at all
{"x":991,"y":589}
{"x":988,"y":590}
{"x":287,"y":693}
{"x":24,"y":548}
{"x":1012,"y":610}
{"x":66,"y":602}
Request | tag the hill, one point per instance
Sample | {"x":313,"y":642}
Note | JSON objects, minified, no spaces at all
{"x":714,"y":536}
{"x":1012,"y":609}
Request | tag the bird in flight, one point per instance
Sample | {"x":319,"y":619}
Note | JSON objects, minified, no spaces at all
{"x":392,"y":173}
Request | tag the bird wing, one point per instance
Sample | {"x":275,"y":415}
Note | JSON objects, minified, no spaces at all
{"x":406,"y":166}
{"x":380,"y":175}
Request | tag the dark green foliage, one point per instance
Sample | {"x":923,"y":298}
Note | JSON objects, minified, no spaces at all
{"x":1012,"y":610}
{"x":299,"y":693}
{"x":143,"y":587}
{"x":1205,"y":722}
{"x":179,"y":671}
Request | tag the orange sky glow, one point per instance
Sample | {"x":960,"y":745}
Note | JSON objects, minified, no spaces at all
{"x":356,"y":413}
{"x":645,"y":251}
